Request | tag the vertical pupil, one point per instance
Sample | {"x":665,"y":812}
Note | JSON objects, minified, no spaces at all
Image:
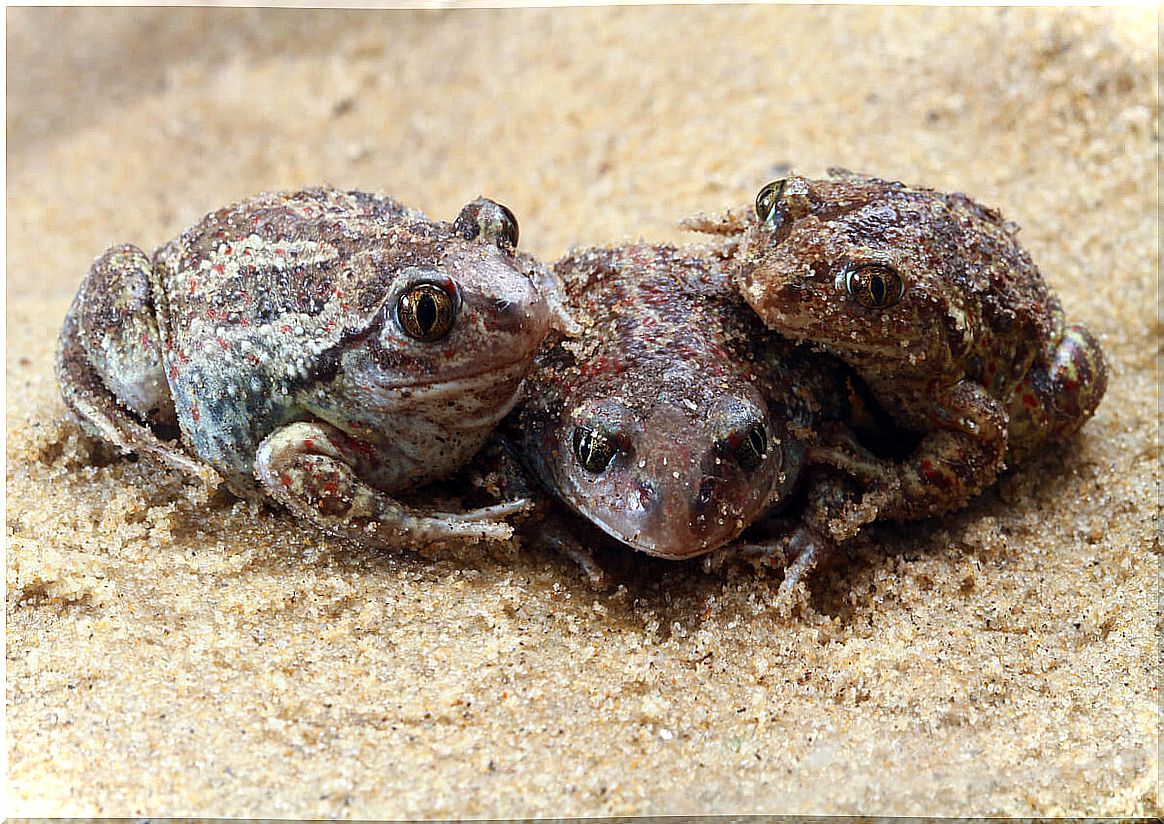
{"x":588,"y":448}
{"x":593,"y":449}
{"x":426,"y":312}
{"x":757,"y":439}
{"x":877,"y":288}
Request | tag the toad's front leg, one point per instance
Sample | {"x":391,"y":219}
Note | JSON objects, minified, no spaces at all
{"x":313,"y":469}
{"x":959,"y":457}
{"x":802,"y":544}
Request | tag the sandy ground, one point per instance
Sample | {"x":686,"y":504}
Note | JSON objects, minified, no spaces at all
{"x":173,"y":655}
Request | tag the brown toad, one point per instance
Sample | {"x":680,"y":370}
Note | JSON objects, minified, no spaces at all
{"x":327,"y":348}
{"x":676,"y":420}
{"x":930,"y":297}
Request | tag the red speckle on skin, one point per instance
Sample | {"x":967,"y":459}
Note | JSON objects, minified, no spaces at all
{"x":330,"y":488}
{"x":357,"y":447}
{"x":280,"y":251}
{"x":308,"y":443}
{"x":252,"y":359}
{"x":228,"y":250}
{"x":1029,"y":401}
{"x":285,"y":479}
{"x":195,"y":413}
{"x":219,"y":268}
{"x":600,"y":366}
{"x":222,"y":343}
{"x":1070,"y":385}
{"x":183,"y":357}
{"x":145,"y":339}
{"x":173,"y":373}
{"x":193,"y":285}
{"x":937,"y":476}
{"x":285,"y":329}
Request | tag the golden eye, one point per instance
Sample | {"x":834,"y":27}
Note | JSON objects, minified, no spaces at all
{"x":425,"y":312}
{"x":594,"y":449}
{"x":874,"y":285}
{"x":752,"y":448}
{"x":768,"y":199}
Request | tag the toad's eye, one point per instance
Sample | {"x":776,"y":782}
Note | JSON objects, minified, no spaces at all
{"x":490,"y":220}
{"x":752,"y":448}
{"x":874,"y":285}
{"x":768,"y":200}
{"x":594,"y":448}
{"x":507,"y":231}
{"x":425,"y":312}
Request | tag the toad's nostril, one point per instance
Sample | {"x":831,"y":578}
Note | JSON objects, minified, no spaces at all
{"x":511,"y":315}
{"x":646,"y":495}
{"x":706,"y":492}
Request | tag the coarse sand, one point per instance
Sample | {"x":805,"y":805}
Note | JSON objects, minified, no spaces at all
{"x":175,"y":653}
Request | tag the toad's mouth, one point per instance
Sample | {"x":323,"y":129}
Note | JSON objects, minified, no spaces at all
{"x":433,"y":386}
{"x":673,"y":545}
{"x":670,"y":529}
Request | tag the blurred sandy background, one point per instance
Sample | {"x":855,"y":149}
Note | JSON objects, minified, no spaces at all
{"x":169,"y":655}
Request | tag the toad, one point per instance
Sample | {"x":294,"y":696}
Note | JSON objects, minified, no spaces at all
{"x":676,"y":420}
{"x":930,"y":297}
{"x":325,"y":348}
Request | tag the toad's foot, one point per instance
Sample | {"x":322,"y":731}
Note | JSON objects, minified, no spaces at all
{"x":731,"y":222}
{"x":497,"y":471}
{"x":798,"y":556}
{"x":566,"y":544}
{"x":307,"y":467}
{"x":807,"y":549}
{"x":841,"y":508}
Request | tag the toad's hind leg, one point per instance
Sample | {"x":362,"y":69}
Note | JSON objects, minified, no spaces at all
{"x":109,"y":361}
{"x":314,"y":470}
{"x":1055,"y":399}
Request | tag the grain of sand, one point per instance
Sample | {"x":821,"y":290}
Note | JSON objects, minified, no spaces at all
{"x":170,"y":654}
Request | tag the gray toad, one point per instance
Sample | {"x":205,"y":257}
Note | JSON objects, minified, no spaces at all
{"x":326,"y":348}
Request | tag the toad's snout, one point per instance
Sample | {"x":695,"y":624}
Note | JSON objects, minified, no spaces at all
{"x":509,"y":305}
{"x":670,"y":493}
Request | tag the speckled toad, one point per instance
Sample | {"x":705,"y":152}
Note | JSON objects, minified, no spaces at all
{"x":327,"y":348}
